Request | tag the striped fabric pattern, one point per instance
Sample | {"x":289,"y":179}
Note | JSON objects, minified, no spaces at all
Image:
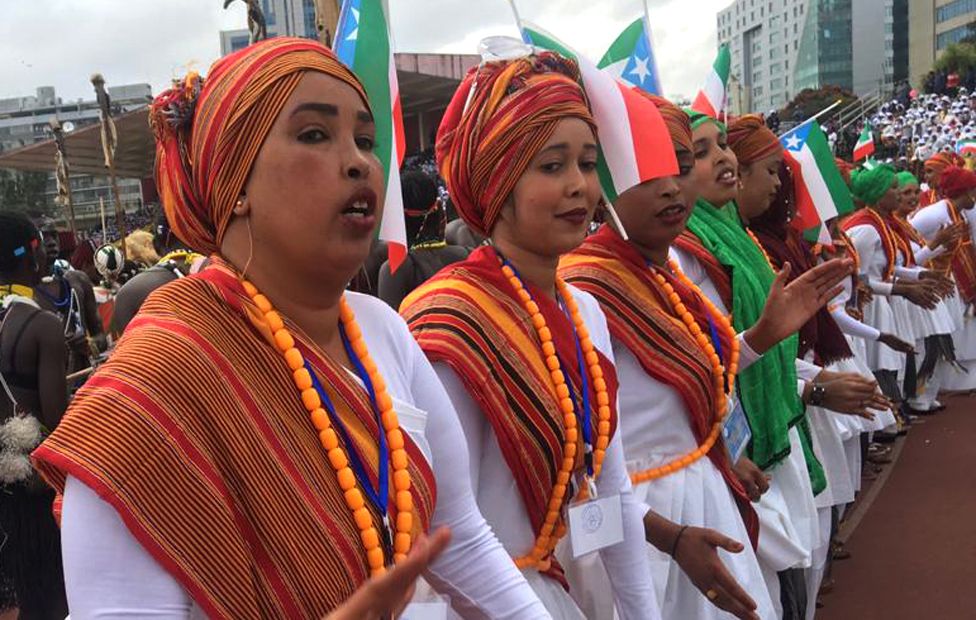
{"x":889,"y":241}
{"x":469,"y":318}
{"x":963,"y":258}
{"x":718,"y":273}
{"x":195,"y":434}
{"x":640,"y":316}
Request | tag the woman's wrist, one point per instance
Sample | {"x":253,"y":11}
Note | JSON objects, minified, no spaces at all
{"x":759,"y":336}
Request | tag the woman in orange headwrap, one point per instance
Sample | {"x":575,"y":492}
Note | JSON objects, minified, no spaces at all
{"x":525,"y":358}
{"x":933,"y":168}
{"x":261,"y":443}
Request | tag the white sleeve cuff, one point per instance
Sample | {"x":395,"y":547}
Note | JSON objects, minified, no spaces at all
{"x":747,"y":356}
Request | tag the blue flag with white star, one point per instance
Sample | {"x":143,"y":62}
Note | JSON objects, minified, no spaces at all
{"x":631,"y":58}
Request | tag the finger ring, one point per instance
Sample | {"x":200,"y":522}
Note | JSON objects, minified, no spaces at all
{"x":712,"y":595}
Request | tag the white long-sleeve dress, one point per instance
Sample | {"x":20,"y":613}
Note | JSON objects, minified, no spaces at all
{"x":108,"y":574}
{"x":498,"y":498}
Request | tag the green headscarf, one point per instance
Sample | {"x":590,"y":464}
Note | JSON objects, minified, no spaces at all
{"x":767,"y":389}
{"x":869,"y":186}
{"x":906,"y":178}
{"x":700,"y":118}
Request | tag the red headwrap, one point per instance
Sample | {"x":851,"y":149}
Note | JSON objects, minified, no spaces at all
{"x":941,"y":161}
{"x":751,"y":140}
{"x":208,"y":134}
{"x":957,"y":181}
{"x":499,"y":118}
{"x":678,"y":123}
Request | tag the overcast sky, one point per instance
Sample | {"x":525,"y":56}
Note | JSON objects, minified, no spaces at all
{"x":61,"y":43}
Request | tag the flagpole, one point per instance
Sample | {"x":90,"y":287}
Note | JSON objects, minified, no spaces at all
{"x":518,"y":18}
{"x":814,"y":117}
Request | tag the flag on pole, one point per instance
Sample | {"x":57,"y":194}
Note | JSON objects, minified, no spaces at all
{"x":635,"y":145}
{"x":364,"y":44}
{"x":865,"y":143}
{"x":821,"y":193}
{"x":966,"y":147}
{"x":713,"y":96}
{"x":631,"y":58}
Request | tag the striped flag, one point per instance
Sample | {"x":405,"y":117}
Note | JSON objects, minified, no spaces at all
{"x":635,"y":145}
{"x":363,"y":43}
{"x":966,"y":147}
{"x":865,"y":143}
{"x":821,"y":193}
{"x":712,"y":97}
{"x":631,"y":58}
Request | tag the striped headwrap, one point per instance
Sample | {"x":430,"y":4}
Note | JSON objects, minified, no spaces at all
{"x":677,"y":122}
{"x":209,"y":132}
{"x":941,"y":161}
{"x":751,"y":140}
{"x":499,"y":118}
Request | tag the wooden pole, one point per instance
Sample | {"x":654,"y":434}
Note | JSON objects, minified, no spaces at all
{"x":327,"y":19}
{"x":64,"y":176}
{"x":109,"y":142}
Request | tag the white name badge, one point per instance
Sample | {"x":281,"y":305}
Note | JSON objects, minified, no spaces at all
{"x":736,"y":431}
{"x":436,"y":610}
{"x":595,"y":524}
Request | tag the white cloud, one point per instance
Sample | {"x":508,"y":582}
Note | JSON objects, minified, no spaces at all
{"x":62,"y":42}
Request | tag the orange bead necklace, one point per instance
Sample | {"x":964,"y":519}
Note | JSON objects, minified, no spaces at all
{"x":553,"y":529}
{"x":722,"y":376}
{"x":313,"y":398}
{"x":759,"y":245}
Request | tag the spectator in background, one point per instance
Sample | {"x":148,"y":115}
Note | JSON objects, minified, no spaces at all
{"x":429,"y":252}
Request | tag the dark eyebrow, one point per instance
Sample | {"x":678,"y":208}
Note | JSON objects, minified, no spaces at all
{"x":563,"y":146}
{"x":329,"y":110}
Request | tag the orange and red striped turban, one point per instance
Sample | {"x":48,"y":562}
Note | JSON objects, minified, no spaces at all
{"x":209,"y":132}
{"x":751,"y":140}
{"x":499,"y":118}
{"x":677,"y":122}
{"x":941,"y":161}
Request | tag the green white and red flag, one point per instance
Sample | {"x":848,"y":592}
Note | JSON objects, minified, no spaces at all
{"x":364,"y":44}
{"x":713,"y":95}
{"x":635,"y":145}
{"x":821,"y":193}
{"x":865,"y":143}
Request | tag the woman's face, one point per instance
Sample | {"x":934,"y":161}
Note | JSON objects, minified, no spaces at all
{"x":655,"y":212}
{"x":553,"y":202}
{"x":315,"y":193}
{"x":715,"y":165}
{"x":890,"y":202}
{"x":933,"y":176}
{"x":909,"y":199}
{"x":759,"y":184}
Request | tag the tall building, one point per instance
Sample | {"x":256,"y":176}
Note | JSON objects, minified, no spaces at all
{"x":780,"y":47}
{"x":25,"y":121}
{"x":936,"y":24}
{"x":294,"y":18}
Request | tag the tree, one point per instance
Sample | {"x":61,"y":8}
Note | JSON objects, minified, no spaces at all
{"x":24,"y":192}
{"x":957,"y":58}
{"x":812,"y":100}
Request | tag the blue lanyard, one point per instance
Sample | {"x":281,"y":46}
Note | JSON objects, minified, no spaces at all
{"x":583,"y":416}
{"x":58,"y":303}
{"x":380,"y":497}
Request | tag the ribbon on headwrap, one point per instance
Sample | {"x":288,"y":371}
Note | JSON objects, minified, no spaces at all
{"x":209,"y":131}
{"x":700,"y":118}
{"x":677,"y":122}
{"x":957,"y":181}
{"x":870,"y":185}
{"x":499,"y":118}
{"x":906,"y":178}
{"x":751,"y":140}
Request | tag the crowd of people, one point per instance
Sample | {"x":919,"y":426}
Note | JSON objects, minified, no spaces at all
{"x":555,"y":407}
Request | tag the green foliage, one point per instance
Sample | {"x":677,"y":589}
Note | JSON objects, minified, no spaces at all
{"x":24,"y":192}
{"x":957,"y":58}
{"x":813,"y":100}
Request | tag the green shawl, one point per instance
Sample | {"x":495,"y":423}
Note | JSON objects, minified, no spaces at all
{"x":767,"y":389}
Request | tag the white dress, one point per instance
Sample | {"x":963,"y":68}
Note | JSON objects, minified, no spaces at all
{"x":656,"y":430}
{"x":500,"y":502}
{"x":927,"y":221}
{"x":788,"y":525}
{"x":109,"y":574}
{"x":878,"y":313}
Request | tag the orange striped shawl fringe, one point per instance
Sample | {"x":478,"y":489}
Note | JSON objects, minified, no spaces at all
{"x":640,"y":316}
{"x":717,"y":272}
{"x":889,"y":244}
{"x":963,"y":259}
{"x":216,"y":468}
{"x":468,"y":317}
